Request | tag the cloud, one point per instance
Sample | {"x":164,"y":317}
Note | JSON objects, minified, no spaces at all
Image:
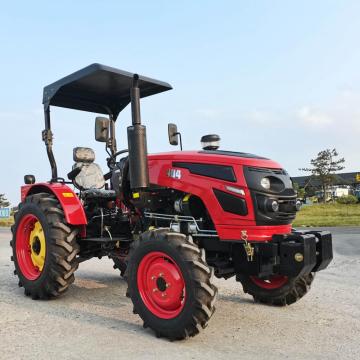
{"x":349,"y":96}
{"x":314,"y":117}
{"x":339,"y":114}
{"x":346,"y":109}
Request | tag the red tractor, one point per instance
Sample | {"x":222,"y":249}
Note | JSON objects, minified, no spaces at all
{"x":169,"y":221}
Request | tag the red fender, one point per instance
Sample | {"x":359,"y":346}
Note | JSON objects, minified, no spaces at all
{"x":71,"y":204}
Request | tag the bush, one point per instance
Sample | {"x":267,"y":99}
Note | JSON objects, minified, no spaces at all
{"x":349,"y":199}
{"x":6,"y":222}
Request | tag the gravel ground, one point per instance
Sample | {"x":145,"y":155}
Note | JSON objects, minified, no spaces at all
{"x":95,"y":320}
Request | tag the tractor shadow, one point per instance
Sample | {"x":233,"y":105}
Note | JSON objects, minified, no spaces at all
{"x":237,"y":299}
{"x":96,"y":299}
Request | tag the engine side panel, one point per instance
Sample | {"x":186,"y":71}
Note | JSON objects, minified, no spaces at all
{"x":229,"y":226}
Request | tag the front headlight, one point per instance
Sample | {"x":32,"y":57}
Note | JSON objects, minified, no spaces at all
{"x":265,"y":183}
{"x":275,"y":206}
{"x":298,"y":205}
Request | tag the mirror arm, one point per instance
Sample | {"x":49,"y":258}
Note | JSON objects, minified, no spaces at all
{"x":112,"y":138}
{"x":179,"y":133}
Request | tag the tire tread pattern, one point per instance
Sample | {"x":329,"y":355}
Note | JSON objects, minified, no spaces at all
{"x":61,"y":262}
{"x":287,"y":295}
{"x":202,"y":277}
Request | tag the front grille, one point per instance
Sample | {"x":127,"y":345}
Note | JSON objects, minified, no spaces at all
{"x":264,"y":216}
{"x":268,"y":170}
{"x":282,"y":191}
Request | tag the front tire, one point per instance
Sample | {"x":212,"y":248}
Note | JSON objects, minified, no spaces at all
{"x":277,"y":290}
{"x":44,"y":247}
{"x":170,"y":284}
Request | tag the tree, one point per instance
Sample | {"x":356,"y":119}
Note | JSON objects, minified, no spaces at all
{"x":299,"y":191}
{"x":3,"y":201}
{"x":324,"y":167}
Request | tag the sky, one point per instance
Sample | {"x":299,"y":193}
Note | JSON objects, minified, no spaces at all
{"x":279,"y":79}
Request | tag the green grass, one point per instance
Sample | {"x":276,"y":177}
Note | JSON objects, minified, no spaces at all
{"x":328,"y":215}
{"x":6,"y":222}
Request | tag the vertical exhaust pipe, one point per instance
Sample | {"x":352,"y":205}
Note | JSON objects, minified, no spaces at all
{"x":138,"y":161}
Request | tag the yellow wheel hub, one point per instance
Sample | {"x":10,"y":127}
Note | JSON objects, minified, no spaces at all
{"x":37,"y":246}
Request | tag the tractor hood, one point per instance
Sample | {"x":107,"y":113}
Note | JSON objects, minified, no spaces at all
{"x":217,"y":157}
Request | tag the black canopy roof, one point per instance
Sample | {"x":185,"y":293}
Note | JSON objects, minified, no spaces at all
{"x":100,"y":89}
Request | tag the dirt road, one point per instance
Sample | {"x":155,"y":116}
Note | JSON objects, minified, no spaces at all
{"x":94,"y":319}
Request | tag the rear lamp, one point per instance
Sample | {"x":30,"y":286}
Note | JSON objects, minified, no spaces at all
{"x":235,"y":190}
{"x":265,"y":183}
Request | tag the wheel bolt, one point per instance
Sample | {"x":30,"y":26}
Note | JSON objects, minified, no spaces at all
{"x":161,"y":274}
{"x":155,"y":289}
{"x":167,"y":285}
{"x":153,"y":277}
{"x":163,"y":294}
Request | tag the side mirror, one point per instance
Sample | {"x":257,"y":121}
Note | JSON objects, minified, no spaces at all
{"x":102,"y":125}
{"x":173,"y":134}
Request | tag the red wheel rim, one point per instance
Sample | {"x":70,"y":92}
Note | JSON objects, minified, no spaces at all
{"x":23,"y":248}
{"x":274,"y":282}
{"x":161,"y":285}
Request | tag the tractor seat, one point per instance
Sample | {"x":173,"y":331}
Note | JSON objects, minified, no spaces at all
{"x":90,"y":180}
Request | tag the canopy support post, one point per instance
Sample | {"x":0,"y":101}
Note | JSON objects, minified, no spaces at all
{"x":47,"y":137}
{"x":112,"y":138}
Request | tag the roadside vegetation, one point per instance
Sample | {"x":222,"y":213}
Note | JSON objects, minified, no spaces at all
{"x":334,"y":214}
{"x":6,"y":222}
{"x":324,"y":166}
{"x":334,"y":205}
{"x":5,"y":203}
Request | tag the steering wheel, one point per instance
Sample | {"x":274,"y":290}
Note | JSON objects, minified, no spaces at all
{"x":120,"y":152}
{"x":111,"y":161}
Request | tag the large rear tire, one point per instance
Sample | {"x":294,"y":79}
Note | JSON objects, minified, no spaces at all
{"x":277,"y":290}
{"x":170,"y":284}
{"x":44,"y":247}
